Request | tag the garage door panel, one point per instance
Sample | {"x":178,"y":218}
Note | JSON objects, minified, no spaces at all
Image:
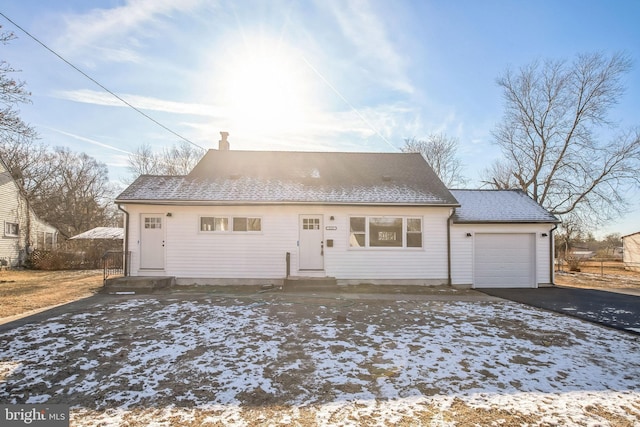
{"x":504,"y":260}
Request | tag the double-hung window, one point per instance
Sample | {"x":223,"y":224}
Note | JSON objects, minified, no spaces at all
{"x":385,"y":232}
{"x":11,"y":229}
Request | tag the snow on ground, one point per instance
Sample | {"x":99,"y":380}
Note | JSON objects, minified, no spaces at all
{"x":278,"y":360}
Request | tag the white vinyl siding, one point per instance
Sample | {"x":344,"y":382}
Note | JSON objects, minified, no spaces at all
{"x":13,"y":214}
{"x":191,"y":253}
{"x":463,"y":249}
{"x":428,"y":263}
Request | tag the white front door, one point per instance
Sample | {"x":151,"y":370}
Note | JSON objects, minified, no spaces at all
{"x":311,"y":243}
{"x":152,"y":241}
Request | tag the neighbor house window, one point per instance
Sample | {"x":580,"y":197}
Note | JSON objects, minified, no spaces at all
{"x":11,"y":229}
{"x":49,"y":241}
{"x":238,"y":224}
{"x":385,"y":232}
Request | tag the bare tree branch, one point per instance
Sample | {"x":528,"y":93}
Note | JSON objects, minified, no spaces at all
{"x":440,"y":151}
{"x":558,"y":142}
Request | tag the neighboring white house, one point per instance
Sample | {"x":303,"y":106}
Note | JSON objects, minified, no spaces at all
{"x":247,"y":217}
{"x":631,"y":251}
{"x":19,"y":224}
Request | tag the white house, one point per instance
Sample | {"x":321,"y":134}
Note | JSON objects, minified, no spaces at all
{"x":249,"y":217}
{"x":631,"y":251}
{"x":20,"y":225}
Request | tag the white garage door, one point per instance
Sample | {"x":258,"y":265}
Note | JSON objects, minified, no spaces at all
{"x":504,"y":261}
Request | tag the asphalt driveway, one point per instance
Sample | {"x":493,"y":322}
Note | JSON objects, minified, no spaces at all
{"x":616,"y":310}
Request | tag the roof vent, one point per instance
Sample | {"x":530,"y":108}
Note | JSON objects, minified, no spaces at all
{"x":223,"y":144}
{"x":386,"y":178}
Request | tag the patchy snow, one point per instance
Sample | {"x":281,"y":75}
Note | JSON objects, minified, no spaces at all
{"x":284,"y":361}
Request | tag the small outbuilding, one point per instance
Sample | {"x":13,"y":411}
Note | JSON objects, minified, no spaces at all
{"x":91,"y":246}
{"x":631,"y":251}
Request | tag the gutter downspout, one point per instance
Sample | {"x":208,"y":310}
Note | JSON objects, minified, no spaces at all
{"x":453,"y":211}
{"x":126,"y":240}
{"x":552,"y":256}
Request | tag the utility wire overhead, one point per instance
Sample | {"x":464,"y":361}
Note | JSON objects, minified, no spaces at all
{"x":128,"y":104}
{"x":346,"y":101}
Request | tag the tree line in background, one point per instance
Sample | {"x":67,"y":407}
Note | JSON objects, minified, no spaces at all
{"x":68,"y":190}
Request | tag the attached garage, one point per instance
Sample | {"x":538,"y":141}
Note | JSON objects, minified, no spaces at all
{"x":504,"y":260}
{"x":501,"y":239}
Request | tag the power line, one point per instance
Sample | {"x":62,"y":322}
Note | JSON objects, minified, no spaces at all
{"x":101,"y":85}
{"x":346,"y":101}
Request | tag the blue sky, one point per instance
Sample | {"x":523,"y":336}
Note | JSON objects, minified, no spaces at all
{"x":326,"y":75}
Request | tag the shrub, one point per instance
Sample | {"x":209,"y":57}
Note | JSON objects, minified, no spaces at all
{"x":574,"y":263}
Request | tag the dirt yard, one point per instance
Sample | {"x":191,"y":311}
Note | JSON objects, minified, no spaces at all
{"x":191,"y":359}
{"x":25,"y":291}
{"x":272,"y":359}
{"x":592,"y":276}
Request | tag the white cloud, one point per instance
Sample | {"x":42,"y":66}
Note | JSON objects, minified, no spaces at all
{"x":141,"y":102}
{"x":366,"y":32}
{"x":89,"y":140}
{"x":114,"y":31}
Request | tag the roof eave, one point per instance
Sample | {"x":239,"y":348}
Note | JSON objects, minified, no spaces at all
{"x":272,"y":203}
{"x":507,"y":221}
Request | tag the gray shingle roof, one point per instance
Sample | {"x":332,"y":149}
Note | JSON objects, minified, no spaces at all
{"x":107,"y":233}
{"x":496,"y":206}
{"x":230,"y":177}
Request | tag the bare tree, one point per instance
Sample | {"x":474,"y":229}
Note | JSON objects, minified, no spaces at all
{"x":557,"y":141}
{"x":143,"y":161}
{"x":180,"y":159}
{"x":177,"y":160}
{"x":12,"y":93}
{"x":77,"y":196}
{"x":440,"y":151}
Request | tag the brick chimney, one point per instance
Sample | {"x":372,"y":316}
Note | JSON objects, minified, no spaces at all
{"x":223,"y":144}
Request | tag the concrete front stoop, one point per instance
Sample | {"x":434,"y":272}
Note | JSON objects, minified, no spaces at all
{"x":301,"y":283}
{"x":138,"y":284}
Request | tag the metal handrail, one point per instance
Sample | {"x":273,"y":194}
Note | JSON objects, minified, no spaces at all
{"x":113,"y":264}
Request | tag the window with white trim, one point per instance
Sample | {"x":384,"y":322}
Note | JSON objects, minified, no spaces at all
{"x":11,"y":229}
{"x":212,"y":223}
{"x":385,"y":232}
{"x":226,"y":224}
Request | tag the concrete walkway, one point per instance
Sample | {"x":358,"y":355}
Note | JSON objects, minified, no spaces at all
{"x":613,"y":309}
